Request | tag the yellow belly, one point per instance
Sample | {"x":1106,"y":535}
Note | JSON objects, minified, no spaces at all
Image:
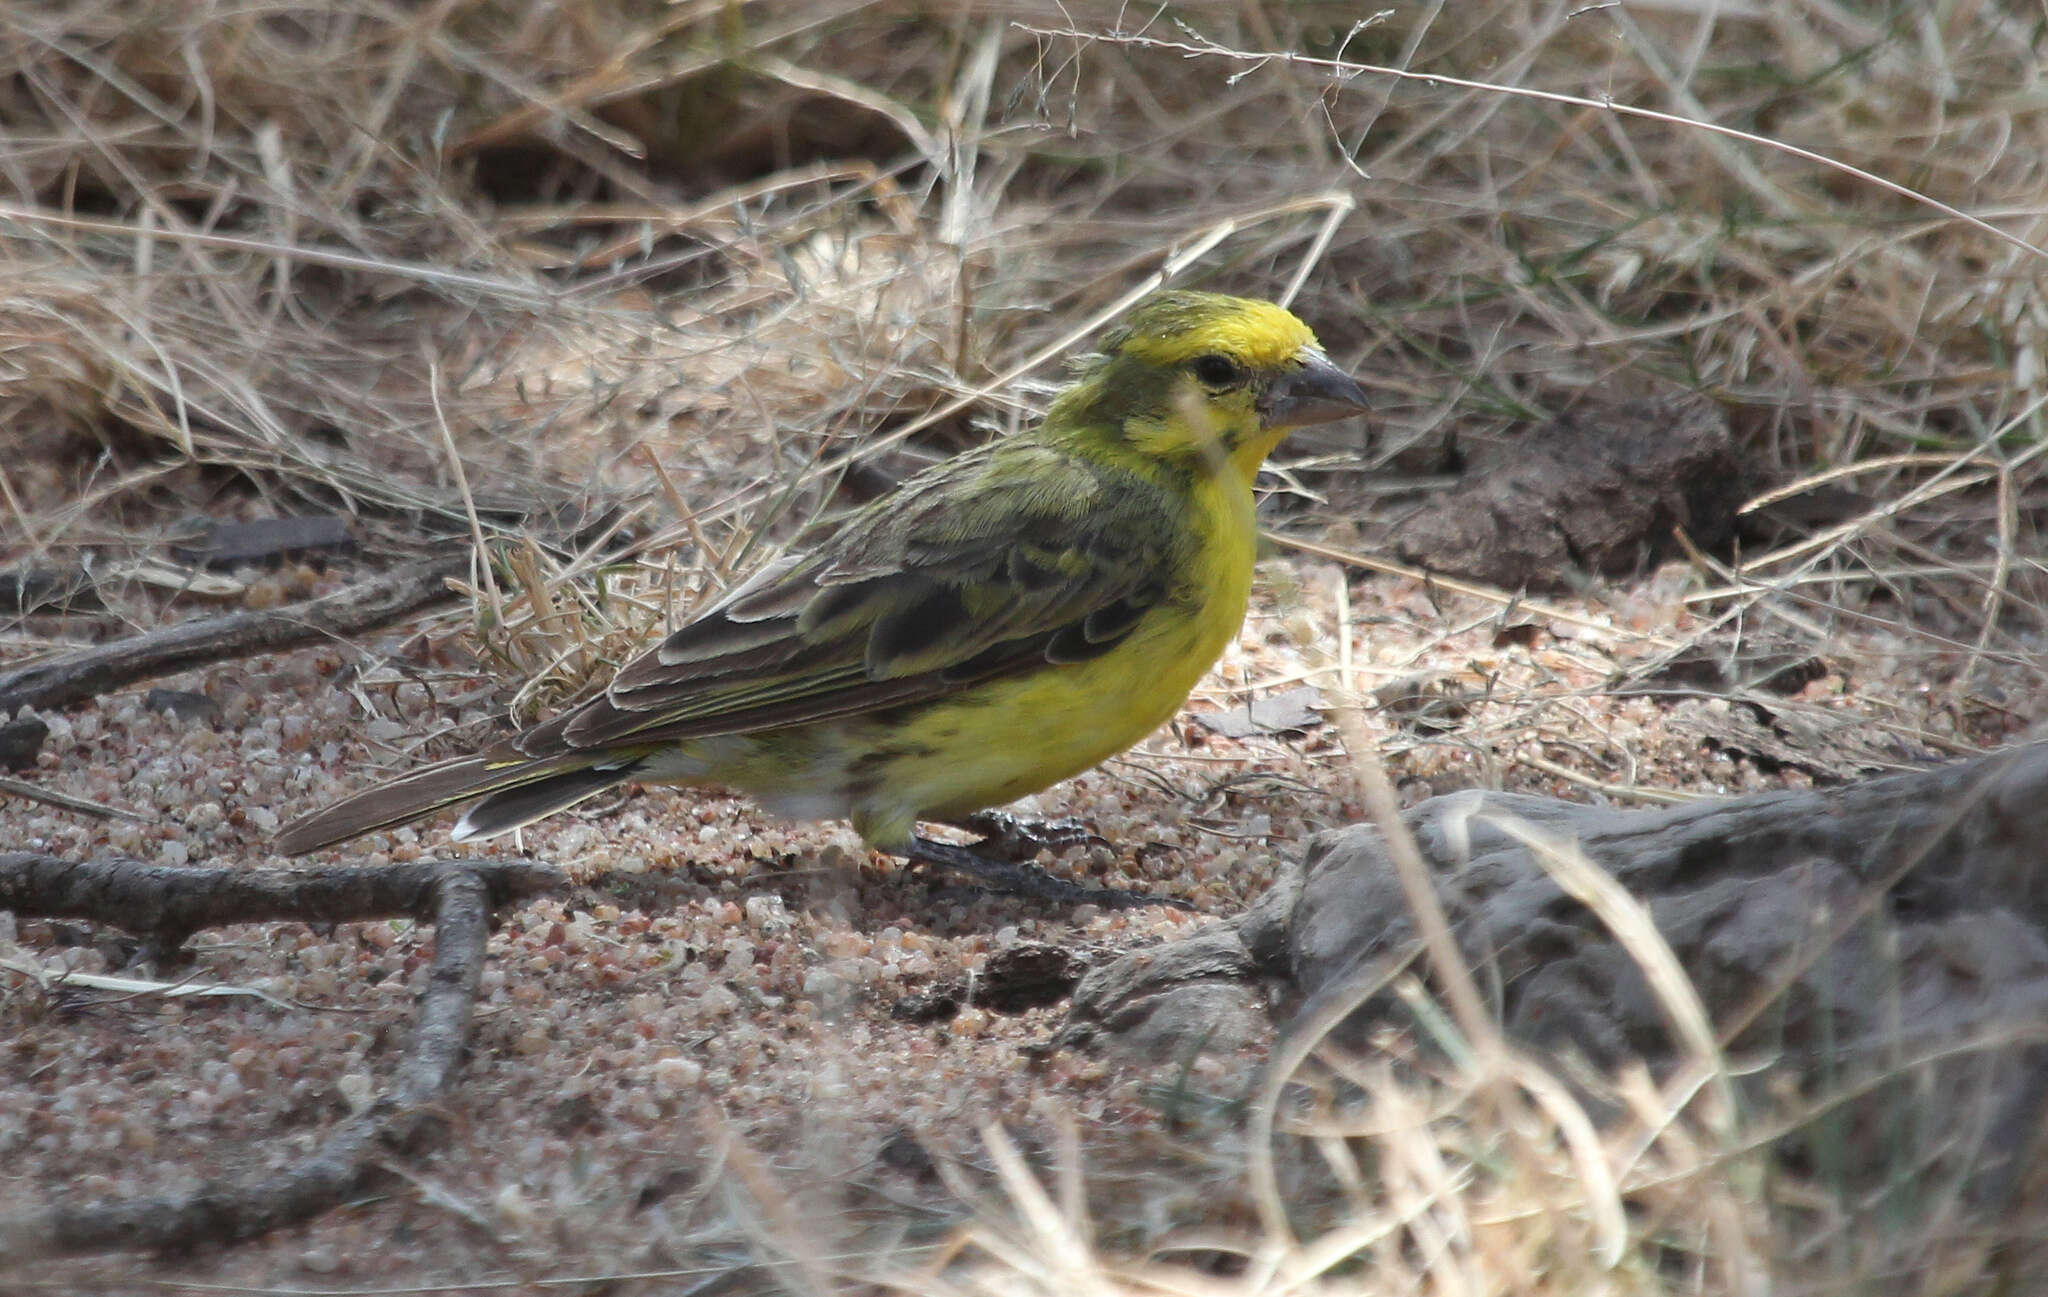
{"x":1013,"y":737}
{"x":998,"y":741}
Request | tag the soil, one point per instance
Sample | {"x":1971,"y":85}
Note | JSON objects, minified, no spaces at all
{"x":716,"y":982}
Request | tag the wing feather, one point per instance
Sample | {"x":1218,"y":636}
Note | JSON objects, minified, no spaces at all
{"x":994,"y":562}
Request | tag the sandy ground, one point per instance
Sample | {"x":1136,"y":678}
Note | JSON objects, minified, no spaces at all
{"x":718,"y":980}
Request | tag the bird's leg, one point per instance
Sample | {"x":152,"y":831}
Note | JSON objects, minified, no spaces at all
{"x":1015,"y":837}
{"x":1022,"y":879}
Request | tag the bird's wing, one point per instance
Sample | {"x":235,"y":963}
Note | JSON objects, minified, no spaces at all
{"x":992,"y":563}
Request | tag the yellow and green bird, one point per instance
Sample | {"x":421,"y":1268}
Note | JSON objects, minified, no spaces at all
{"x":1000,"y":622}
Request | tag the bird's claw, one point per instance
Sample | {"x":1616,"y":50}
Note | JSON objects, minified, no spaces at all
{"x":1015,"y":837}
{"x":1023,"y":879}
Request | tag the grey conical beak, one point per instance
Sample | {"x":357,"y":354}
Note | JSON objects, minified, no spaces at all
{"x":1318,"y":392}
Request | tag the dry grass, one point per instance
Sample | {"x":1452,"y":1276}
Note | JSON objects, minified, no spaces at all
{"x":633,"y":291}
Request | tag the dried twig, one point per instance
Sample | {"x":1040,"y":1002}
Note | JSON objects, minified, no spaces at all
{"x":169,"y":903}
{"x":27,"y":791}
{"x":457,"y":899}
{"x":86,"y":673}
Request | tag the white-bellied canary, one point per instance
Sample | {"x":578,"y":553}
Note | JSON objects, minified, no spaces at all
{"x":999,"y":622}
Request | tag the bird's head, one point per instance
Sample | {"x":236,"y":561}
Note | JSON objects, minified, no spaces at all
{"x":1205,"y":381}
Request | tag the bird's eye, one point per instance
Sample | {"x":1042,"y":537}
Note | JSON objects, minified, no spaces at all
{"x":1218,"y":371}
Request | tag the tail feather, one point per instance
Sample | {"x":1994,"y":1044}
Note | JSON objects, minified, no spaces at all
{"x":512,"y":808}
{"x":549,"y":785}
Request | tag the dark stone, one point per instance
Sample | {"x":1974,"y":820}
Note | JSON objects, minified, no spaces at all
{"x":1029,"y":975}
{"x":1595,"y":490}
{"x":182,"y":705}
{"x":20,"y":740}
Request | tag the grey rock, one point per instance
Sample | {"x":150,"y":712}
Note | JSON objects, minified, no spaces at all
{"x":1875,"y":923}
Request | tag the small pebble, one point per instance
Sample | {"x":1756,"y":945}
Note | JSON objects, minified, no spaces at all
{"x":357,"y":1090}
{"x":674,"y":1075}
{"x":320,"y":1260}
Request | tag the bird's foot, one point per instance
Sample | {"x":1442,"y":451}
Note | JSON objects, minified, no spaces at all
{"x":1016,"y":837}
{"x":1022,"y":879}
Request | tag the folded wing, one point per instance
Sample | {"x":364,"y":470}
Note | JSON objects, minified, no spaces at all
{"x":997,"y":563}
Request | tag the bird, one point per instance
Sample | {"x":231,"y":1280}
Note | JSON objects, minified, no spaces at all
{"x":1005,"y":619}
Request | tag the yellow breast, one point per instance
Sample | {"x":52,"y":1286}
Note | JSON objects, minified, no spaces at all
{"x":1000,"y":741}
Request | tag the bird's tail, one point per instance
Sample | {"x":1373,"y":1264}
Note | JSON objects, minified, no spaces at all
{"x":515,"y":791}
